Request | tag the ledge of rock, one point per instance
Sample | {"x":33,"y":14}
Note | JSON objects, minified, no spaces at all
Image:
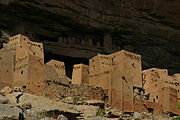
{"x":81,"y":29}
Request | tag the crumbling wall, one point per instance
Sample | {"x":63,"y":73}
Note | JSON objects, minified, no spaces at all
{"x":147,"y":106}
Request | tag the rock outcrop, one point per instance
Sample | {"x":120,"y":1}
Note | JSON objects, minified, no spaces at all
{"x":9,"y":112}
{"x":25,"y":106}
{"x":148,"y":27}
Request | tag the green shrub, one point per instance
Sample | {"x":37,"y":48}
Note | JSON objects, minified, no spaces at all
{"x":178,"y":117}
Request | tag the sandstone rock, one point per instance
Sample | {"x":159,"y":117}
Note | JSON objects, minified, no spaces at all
{"x":114,"y":113}
{"x":68,"y":100}
{"x":37,"y":107}
{"x":83,"y":92}
{"x":137,"y":115}
{"x":14,"y":97}
{"x":61,"y":117}
{"x":16,"y":89}
{"x":8,"y":111}
{"x":102,"y":118}
{"x":88,"y":111}
{"x":95,"y":103}
{"x":19,"y":89}
{"x":48,"y":118}
{"x":26,"y":106}
{"x":3,"y":100}
{"x":6,"y":90}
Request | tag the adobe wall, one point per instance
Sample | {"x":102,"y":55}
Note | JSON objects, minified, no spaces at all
{"x":77,"y":74}
{"x":177,"y":76}
{"x":153,"y":80}
{"x":80,"y":74}
{"x":100,"y":69}
{"x":122,"y":84}
{"x":18,"y":40}
{"x":32,"y":67}
{"x":35,"y":68}
{"x":132,"y":66}
{"x":7,"y":61}
{"x":21,"y":66}
{"x":99,"y":64}
{"x":85,"y":74}
{"x":146,"y":106}
{"x":176,"y":83}
{"x":117,"y":73}
{"x":168,"y":98}
{"x":28,"y":60}
{"x":172,"y":81}
{"x":104,"y":80}
{"x":59,"y":67}
{"x":35,"y":60}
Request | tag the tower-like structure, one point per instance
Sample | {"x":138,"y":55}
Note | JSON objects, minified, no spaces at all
{"x":22,"y":61}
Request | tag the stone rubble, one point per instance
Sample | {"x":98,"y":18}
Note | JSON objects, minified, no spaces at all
{"x":31,"y":107}
{"x":6,"y":90}
{"x":3,"y":100}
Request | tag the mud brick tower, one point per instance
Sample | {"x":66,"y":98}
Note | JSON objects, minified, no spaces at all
{"x":117,"y":73}
{"x":80,"y":74}
{"x":22,"y":61}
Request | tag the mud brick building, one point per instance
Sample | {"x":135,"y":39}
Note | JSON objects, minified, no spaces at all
{"x":147,"y":106}
{"x":59,"y":67}
{"x":162,"y":88}
{"x":173,"y":82}
{"x":21,"y":61}
{"x":153,"y":80}
{"x":168,"y":99}
{"x":80,"y":74}
{"x":6,"y":67}
{"x":100,"y":69}
{"x":117,"y":73}
{"x":129,"y":64}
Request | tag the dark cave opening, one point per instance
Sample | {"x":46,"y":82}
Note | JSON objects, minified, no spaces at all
{"x":68,"y":61}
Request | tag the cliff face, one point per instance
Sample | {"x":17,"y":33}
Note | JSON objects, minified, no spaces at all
{"x":83,"y":28}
